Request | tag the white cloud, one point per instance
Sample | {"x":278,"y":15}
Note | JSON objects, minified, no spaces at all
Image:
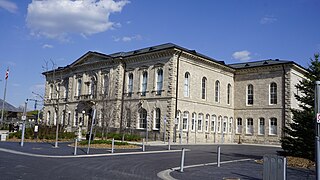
{"x":59,"y":18}
{"x":9,"y":6}
{"x":127,"y":38}
{"x":242,"y":55}
{"x":45,"y":46}
{"x":268,"y":20}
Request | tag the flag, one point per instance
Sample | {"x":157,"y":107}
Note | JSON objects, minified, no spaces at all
{"x":7,"y":73}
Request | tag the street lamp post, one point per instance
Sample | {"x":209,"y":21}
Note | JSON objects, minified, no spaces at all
{"x":24,"y":118}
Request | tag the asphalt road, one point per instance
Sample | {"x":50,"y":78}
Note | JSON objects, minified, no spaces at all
{"x":133,"y":166}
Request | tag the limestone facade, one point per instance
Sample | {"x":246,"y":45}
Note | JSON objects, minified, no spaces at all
{"x":172,"y":93}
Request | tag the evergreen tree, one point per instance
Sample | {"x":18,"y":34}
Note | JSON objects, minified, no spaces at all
{"x":300,"y":133}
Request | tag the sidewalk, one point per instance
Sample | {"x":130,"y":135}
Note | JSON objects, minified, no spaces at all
{"x":242,"y":170}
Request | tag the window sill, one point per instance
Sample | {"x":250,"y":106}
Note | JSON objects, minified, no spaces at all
{"x":155,"y":129}
{"x":273,"y":135}
{"x":141,"y":128}
{"x":249,"y":134}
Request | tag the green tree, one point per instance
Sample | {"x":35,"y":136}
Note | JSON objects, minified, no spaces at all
{"x":300,"y":133}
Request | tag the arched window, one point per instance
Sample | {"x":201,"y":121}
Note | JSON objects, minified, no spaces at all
{"x":193,"y":122}
{"x":143,"y":119}
{"x":157,"y":118}
{"x":159,"y":81}
{"x":261,"y":126}
{"x":186,"y":89}
{"x":225,"y":124}
{"x":230,"y":125}
{"x":144,"y":83}
{"x":249,"y":126}
{"x":185,"y":120}
{"x":130,"y":85}
{"x":219,"y":124}
{"x":177,"y":121}
{"x":273,"y":126}
{"x":106,"y":85}
{"x":239,"y":126}
{"x":200,"y":117}
{"x":250,"y":94}
{"x":213,"y":123}
{"x":206,"y":124}
{"x":273,"y":93}
{"x":203,"y":88}
{"x":217,"y":91}
{"x":229,"y":94}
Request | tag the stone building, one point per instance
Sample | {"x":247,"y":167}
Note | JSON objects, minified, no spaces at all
{"x":170,"y":92}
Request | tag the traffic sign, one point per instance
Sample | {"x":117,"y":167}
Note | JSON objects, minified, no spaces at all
{"x":318,"y":117}
{"x":23,"y":118}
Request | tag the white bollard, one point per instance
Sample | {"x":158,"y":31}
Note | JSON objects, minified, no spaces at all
{"x":112,"y":146}
{"x":75,"y":146}
{"x":218,"y":154}
{"x":143,"y":145}
{"x":182,"y":160}
{"x":169,"y":147}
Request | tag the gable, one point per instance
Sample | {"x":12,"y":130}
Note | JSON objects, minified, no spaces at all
{"x":90,"y":58}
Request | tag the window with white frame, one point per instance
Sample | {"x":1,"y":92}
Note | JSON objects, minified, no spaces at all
{"x":213,"y":123}
{"x":203,"y":88}
{"x":225,"y":123}
{"x":219,"y":124}
{"x":185,"y":121}
{"x":239,"y":126}
{"x":177,"y":121}
{"x":193,"y":122}
{"x":143,"y":119}
{"x":230,"y":125}
{"x":157,"y":118}
{"x":50,"y":91}
{"x":273,"y":126}
{"x":229,"y":94}
{"x":250,"y":94}
{"x":261,"y":126}
{"x":249,"y":126}
{"x":207,"y":123}
{"x":217,"y":91}
{"x":186,"y":89}
{"x":200,"y":118}
{"x":273,"y":93}
{"x":66,"y":88}
{"x":58,"y":91}
{"x":159,"y":81}
{"x":144,"y":83}
{"x":130,"y":85}
{"x":93,"y":87}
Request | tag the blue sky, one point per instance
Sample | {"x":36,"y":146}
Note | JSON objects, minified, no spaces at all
{"x":33,"y":32}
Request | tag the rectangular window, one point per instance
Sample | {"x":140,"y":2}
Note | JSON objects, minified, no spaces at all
{"x":128,"y":118}
{"x":157,"y":118}
{"x":249,"y":126}
{"x":230,"y":125}
{"x":144,"y":83}
{"x":159,"y":81}
{"x":261,"y":126}
{"x":239,"y":126}
{"x":273,"y":126}
{"x":177,"y":121}
{"x":273,"y":93}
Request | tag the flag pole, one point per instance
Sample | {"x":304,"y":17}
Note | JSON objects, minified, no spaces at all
{"x":4,"y":95}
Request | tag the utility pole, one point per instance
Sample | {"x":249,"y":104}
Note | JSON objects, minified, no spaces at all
{"x":24,"y":118}
{"x":317,"y":127}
